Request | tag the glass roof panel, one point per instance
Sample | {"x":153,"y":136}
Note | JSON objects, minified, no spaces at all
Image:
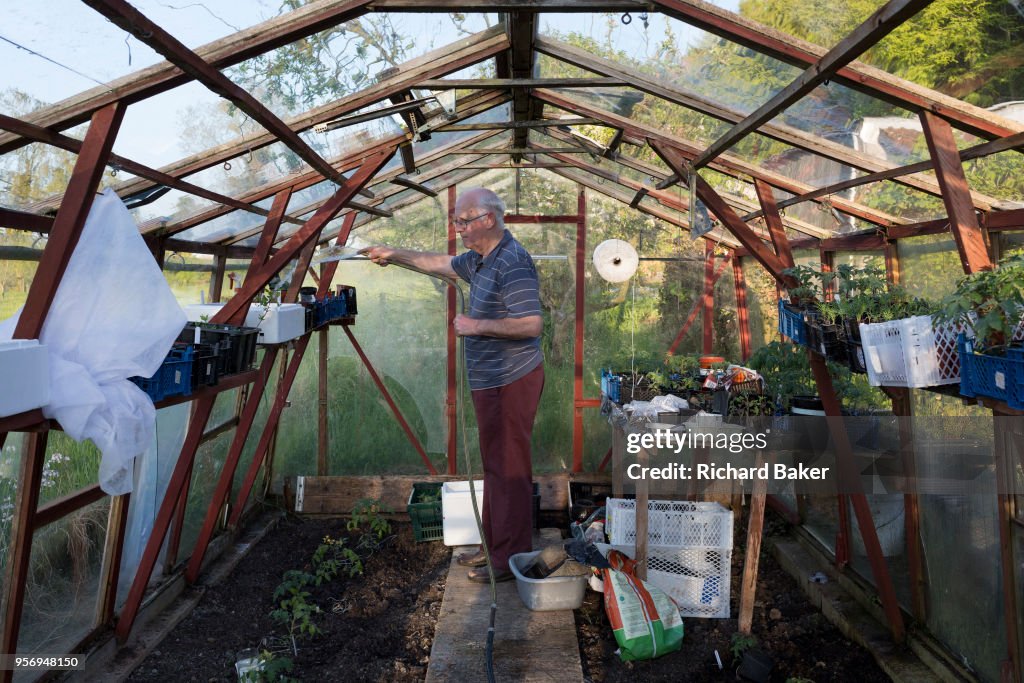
{"x":32,"y":173}
{"x":999,"y":175}
{"x":679,"y":56}
{"x":965,"y":54}
{"x":315,"y":71}
{"x":169,"y":209}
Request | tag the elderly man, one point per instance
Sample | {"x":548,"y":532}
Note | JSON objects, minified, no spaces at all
{"x":502,"y":338}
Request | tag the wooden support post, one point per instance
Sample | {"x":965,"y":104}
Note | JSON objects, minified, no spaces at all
{"x":742,"y":311}
{"x":113,"y":547}
{"x":755,"y":528}
{"x":580,"y":312}
{"x":390,"y":401}
{"x":451,"y":396}
{"x":963,"y":222}
{"x":642,"y":516}
{"x":26,"y":500}
{"x":220,"y":264}
{"x":254,"y":282}
{"x":322,"y":426}
{"x":70,"y":220}
{"x":227,"y":474}
{"x":828,"y":266}
{"x":175,"y":485}
{"x":1013,"y":668}
{"x":709,"y":296}
{"x":848,"y":475}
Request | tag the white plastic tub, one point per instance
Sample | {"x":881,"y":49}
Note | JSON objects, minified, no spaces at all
{"x":280,"y":323}
{"x":458,"y":520}
{"x":24,"y":375}
{"x":552,"y":593}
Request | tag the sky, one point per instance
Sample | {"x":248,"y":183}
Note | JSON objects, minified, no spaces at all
{"x":92,"y":51}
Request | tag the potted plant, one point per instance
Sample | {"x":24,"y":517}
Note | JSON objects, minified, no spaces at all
{"x":793,"y":313}
{"x":990,"y":303}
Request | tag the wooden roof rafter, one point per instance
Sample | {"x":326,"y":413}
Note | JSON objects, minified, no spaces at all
{"x":726,"y":164}
{"x":462,"y":53}
{"x":791,"y":136}
{"x":848,"y":207}
{"x":876,"y":27}
{"x":856,"y":75}
{"x":667,"y":199}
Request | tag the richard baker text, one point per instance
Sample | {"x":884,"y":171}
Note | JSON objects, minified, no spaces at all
{"x":734,"y":442}
{"x":713,"y":472}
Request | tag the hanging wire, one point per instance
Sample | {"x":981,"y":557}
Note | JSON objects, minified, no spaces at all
{"x":53,"y":61}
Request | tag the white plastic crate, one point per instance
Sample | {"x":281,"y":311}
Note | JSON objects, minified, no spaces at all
{"x":696,"y":579}
{"x":671,"y":524}
{"x":25,"y":376}
{"x":911,"y":352}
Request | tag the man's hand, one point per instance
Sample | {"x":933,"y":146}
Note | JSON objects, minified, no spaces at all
{"x":380,"y":254}
{"x":466,"y":326}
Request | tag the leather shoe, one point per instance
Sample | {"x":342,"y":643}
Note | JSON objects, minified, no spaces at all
{"x":481,"y":575}
{"x":477,"y":559}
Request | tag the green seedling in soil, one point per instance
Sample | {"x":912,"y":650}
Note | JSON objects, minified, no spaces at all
{"x":333,"y":556}
{"x":370,"y":512}
{"x":294,"y":611}
{"x":741,"y":642}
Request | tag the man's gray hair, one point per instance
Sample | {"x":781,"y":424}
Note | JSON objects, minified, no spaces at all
{"x":491,"y":202}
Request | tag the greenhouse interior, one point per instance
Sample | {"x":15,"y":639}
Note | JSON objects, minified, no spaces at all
{"x":774,"y":252}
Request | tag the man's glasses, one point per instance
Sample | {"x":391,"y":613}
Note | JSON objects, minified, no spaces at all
{"x":464,"y":222}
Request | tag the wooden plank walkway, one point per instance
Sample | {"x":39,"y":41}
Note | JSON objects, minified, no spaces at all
{"x":528,"y":646}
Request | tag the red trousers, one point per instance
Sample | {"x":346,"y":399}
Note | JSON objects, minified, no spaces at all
{"x":505,"y":417}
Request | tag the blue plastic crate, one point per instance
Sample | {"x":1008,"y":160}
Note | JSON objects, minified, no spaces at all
{"x":611,"y":385}
{"x":998,"y":377}
{"x":173,"y":378}
{"x":791,"y":323}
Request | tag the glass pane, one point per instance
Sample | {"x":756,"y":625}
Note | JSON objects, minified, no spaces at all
{"x":16,"y":276}
{"x":33,"y":173}
{"x":931,"y":264}
{"x":10,"y":471}
{"x":206,"y":470}
{"x":153,"y":470}
{"x":69,"y":466}
{"x":349,"y":57}
{"x":63,"y":581}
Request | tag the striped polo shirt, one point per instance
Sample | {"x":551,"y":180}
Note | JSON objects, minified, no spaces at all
{"x":502,"y":284}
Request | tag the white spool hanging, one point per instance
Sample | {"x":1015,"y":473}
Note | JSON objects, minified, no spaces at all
{"x":616,"y":260}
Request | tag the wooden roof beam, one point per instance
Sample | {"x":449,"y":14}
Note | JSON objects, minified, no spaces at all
{"x":750,"y":240}
{"x":857,"y":75}
{"x":877,"y":26}
{"x":62,"y":141}
{"x":521,"y":28}
{"x":726,"y":164}
{"x":133,"y":21}
{"x":980,"y":201}
{"x":684,"y":98}
{"x":234,"y":49}
{"x":618,"y":193}
{"x":515,"y":125}
{"x":444,"y":60}
{"x":508,"y":5}
{"x":506,"y":83}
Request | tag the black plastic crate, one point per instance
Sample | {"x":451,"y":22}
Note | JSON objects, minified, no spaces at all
{"x":348,"y":292}
{"x":236,"y":346}
{"x":205,"y":365}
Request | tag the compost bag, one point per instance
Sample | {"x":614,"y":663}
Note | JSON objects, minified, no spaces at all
{"x":645,"y":620}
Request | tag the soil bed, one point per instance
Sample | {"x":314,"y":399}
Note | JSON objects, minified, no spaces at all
{"x":380,"y":626}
